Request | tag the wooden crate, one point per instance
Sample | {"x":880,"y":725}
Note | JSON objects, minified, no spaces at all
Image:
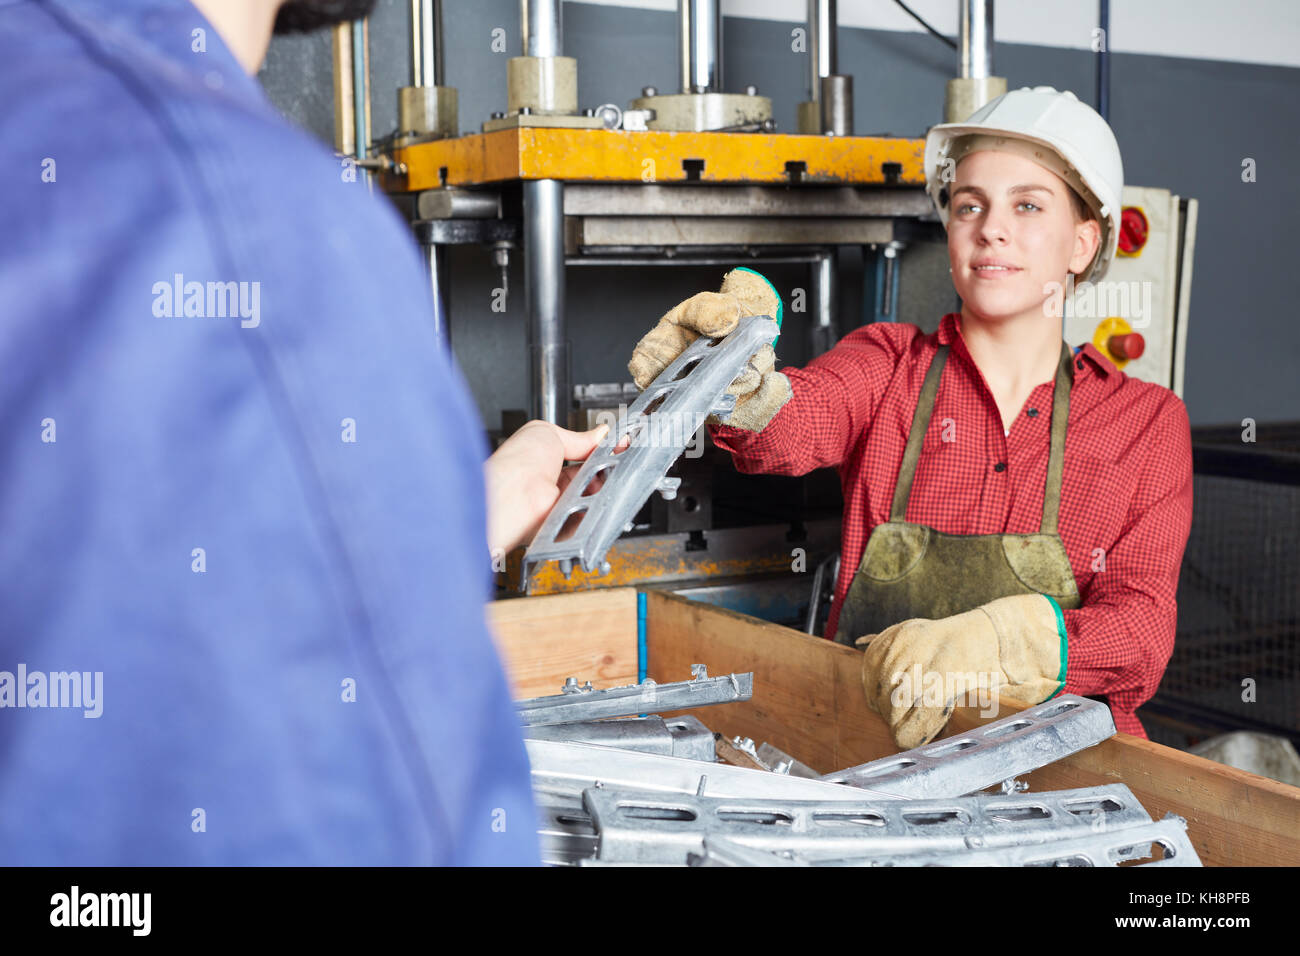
{"x":808,"y":701}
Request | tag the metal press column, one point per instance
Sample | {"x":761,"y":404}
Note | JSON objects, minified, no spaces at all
{"x":830,"y":106}
{"x":975,"y":84}
{"x":551,"y":392}
{"x":825,"y":303}
{"x":700,"y":45}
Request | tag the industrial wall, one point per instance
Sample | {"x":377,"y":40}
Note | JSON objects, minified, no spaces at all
{"x":1196,"y":89}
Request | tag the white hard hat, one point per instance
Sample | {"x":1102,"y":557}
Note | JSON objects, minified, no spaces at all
{"x":1080,"y":148}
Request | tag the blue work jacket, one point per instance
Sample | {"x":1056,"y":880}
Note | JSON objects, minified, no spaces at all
{"x":241,"y":489}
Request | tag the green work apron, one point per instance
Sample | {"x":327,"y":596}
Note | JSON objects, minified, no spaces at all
{"x":910,"y":570}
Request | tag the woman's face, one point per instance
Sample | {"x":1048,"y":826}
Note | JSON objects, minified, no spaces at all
{"x":1012,"y":236}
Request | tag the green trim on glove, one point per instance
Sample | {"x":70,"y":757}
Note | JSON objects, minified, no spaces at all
{"x":780,"y":306}
{"x":1060,"y":629}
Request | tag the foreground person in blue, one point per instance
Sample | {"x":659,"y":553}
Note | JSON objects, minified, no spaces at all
{"x":245,"y":544}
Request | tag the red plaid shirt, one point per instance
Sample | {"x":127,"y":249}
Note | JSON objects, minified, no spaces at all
{"x":1126,"y":496}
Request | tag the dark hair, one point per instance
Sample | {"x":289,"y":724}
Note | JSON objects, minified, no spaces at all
{"x":304,"y":16}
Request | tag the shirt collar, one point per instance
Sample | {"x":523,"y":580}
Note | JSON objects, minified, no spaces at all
{"x":949,"y":333}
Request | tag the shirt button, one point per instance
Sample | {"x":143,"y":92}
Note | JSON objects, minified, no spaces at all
{"x":1078,"y":363}
{"x":1000,"y":466}
{"x":1032,"y":413}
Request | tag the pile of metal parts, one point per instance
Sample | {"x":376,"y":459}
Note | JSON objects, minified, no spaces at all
{"x":615,"y":784}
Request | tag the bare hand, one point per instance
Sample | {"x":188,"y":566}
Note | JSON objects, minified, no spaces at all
{"x":525,"y":476}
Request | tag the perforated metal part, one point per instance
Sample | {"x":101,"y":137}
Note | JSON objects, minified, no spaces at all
{"x":987,"y":755}
{"x":582,"y":703}
{"x":564,"y":830}
{"x":658,"y":426}
{"x":1162,"y":843}
{"x":567,"y":769}
{"x":719,"y":851}
{"x":561,"y":771}
{"x":676,"y":737}
{"x":658,"y":827}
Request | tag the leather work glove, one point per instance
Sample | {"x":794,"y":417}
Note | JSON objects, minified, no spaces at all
{"x":916,"y":671}
{"x":760,"y":390}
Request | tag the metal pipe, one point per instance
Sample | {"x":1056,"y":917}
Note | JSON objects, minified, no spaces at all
{"x":824,"y":303}
{"x":836,"y":105}
{"x":551,"y":392}
{"x":451,"y":202}
{"x":345,"y":124}
{"x":426,"y":43}
{"x":829,"y":566}
{"x":542,"y":25}
{"x":823,"y":53}
{"x":975,"y":39}
{"x":436,"y":259}
{"x":700,"y":45}
{"x":889,"y":292}
{"x":361,"y":86}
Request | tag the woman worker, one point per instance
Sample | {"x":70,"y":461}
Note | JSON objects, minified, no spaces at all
{"x":1015,"y":510}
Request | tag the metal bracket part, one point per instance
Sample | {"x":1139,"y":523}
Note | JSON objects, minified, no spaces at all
{"x":691,"y":739}
{"x":719,"y":851}
{"x":650,"y":827}
{"x":1094,"y":849}
{"x":565,"y":831}
{"x":566,"y":770}
{"x":770,"y":758}
{"x":778,"y":761}
{"x":746,"y":746}
{"x":1100,"y":848}
{"x":987,"y":755}
{"x":561,"y":771}
{"x":611,"y":486}
{"x":681,"y":736}
{"x":582,"y":703}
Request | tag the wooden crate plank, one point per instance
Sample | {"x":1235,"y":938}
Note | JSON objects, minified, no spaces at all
{"x":590,"y":635}
{"x":807,"y":691}
{"x":808,"y":701}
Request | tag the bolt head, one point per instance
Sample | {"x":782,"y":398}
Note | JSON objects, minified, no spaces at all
{"x":751,"y":90}
{"x":649,"y":91}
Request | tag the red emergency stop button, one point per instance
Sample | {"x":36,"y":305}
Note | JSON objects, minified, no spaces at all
{"x":1126,"y":347}
{"x":1133,"y":230}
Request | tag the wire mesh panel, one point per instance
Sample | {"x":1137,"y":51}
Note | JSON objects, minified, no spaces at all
{"x":1236,"y":660}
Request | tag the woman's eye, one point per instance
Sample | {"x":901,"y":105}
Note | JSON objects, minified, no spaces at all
{"x":965,"y":208}
{"x":1033,"y":205}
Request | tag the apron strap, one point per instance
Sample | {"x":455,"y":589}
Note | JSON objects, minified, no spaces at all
{"x":920,"y":424}
{"x":1056,"y":458}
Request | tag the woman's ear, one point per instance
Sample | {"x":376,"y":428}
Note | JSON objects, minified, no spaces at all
{"x":1087,"y":237}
